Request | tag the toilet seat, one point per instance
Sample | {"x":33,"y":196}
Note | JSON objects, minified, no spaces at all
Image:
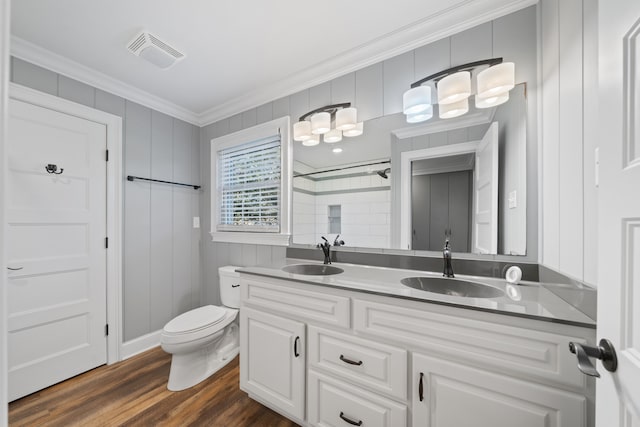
{"x":197,"y":324}
{"x":195,"y":320}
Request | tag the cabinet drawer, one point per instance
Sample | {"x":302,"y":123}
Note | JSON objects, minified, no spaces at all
{"x":299,"y":303}
{"x":334,"y":403}
{"x":380,"y":367}
{"x":528,"y":353}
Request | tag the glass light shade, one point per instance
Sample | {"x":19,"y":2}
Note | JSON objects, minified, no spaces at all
{"x":332,"y":136}
{"x":346,"y":118}
{"x":420,"y":117}
{"x":301,"y":131}
{"x":356,"y":131}
{"x":496,"y":80}
{"x":320,"y":123}
{"x":313,"y":140}
{"x":449,"y":111}
{"x":454,"y":88}
{"x":492,"y":101}
{"x":416,"y":100}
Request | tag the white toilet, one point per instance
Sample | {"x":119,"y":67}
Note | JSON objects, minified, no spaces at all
{"x":204,"y":339}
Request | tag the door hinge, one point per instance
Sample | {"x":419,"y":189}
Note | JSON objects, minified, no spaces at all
{"x":106,"y":329}
{"x":106,"y":243}
{"x":107,"y":156}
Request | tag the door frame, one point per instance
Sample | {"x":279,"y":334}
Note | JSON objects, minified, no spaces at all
{"x":406,"y":158}
{"x":114,"y":200}
{"x":5,"y":22}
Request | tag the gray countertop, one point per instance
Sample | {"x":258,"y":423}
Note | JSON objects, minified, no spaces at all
{"x":527,"y":299}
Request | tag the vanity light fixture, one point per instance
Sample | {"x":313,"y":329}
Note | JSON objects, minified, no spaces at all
{"x":453,"y":87}
{"x":319,"y":122}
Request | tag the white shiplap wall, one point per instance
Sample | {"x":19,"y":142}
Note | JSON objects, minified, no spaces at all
{"x":569,"y":115}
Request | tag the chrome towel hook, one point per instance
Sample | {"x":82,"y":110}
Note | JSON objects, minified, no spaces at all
{"x":52,"y":169}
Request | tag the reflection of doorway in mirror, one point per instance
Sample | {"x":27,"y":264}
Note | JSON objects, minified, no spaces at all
{"x":441,"y":202}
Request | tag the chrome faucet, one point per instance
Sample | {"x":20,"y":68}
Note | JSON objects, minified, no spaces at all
{"x":326,"y":249}
{"x":446,"y":254}
{"x":337,"y":242}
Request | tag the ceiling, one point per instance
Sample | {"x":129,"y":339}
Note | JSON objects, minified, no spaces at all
{"x":239,"y":54}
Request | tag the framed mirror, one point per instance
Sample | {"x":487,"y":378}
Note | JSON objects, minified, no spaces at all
{"x":408,"y":187}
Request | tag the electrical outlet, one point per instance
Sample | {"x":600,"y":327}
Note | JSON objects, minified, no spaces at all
{"x":196,"y":222}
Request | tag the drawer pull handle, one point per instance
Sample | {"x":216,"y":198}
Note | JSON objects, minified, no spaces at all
{"x":421,"y":388}
{"x":236,"y":286}
{"x":350,"y":421}
{"x":295,"y":347}
{"x":349,"y":361}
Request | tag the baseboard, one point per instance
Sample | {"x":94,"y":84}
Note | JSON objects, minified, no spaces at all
{"x":140,"y":344}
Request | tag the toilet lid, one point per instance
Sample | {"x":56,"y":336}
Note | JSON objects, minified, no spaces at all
{"x":195,"y":319}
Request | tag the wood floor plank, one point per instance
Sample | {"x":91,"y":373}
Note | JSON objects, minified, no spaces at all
{"x":134,"y":393}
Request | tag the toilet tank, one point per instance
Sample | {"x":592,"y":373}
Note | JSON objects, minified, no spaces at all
{"x":229,"y":286}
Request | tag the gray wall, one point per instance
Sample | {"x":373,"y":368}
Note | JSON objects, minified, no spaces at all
{"x":376,"y":91}
{"x":162,"y":272}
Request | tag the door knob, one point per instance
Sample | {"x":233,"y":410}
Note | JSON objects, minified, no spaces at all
{"x":604,"y":351}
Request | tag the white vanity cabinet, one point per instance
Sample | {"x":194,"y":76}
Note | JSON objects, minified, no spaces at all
{"x":377,"y":361}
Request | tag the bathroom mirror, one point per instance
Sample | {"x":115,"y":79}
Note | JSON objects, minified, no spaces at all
{"x":404,"y":186}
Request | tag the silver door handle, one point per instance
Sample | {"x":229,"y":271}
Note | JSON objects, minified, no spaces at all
{"x":604,"y":352}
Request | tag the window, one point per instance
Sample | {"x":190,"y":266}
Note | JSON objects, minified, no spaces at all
{"x":334,"y":219}
{"x":250,"y":185}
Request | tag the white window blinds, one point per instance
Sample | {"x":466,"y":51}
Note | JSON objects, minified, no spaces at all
{"x":249,"y":186}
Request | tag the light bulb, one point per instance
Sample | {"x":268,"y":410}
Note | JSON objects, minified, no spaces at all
{"x":454,"y":88}
{"x":416,"y":100}
{"x":449,"y":111}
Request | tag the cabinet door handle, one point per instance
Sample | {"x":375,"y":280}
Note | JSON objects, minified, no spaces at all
{"x":349,"y":361}
{"x":235,"y":286}
{"x":421,"y":388}
{"x":350,"y":421}
{"x":14,"y":268}
{"x":295,"y":347}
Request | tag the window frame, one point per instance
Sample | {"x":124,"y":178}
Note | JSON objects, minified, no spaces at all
{"x":255,"y":133}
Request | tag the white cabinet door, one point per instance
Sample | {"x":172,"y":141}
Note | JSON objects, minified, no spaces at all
{"x":446,"y":394}
{"x":272,"y":360}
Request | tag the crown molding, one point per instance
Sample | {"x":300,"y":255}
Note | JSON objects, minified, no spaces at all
{"x":462,"y":16}
{"x":459,"y":17}
{"x":39,"y":56}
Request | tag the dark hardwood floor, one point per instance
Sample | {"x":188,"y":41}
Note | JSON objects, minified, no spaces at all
{"x":134,"y":393}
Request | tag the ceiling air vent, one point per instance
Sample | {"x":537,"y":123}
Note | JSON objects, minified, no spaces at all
{"x":154,"y":50}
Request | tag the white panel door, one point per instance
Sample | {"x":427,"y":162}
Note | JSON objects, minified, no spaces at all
{"x":56,"y":256}
{"x":448,"y":394}
{"x":272,"y":360}
{"x":485,"y":197}
{"x":618,"y":393}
